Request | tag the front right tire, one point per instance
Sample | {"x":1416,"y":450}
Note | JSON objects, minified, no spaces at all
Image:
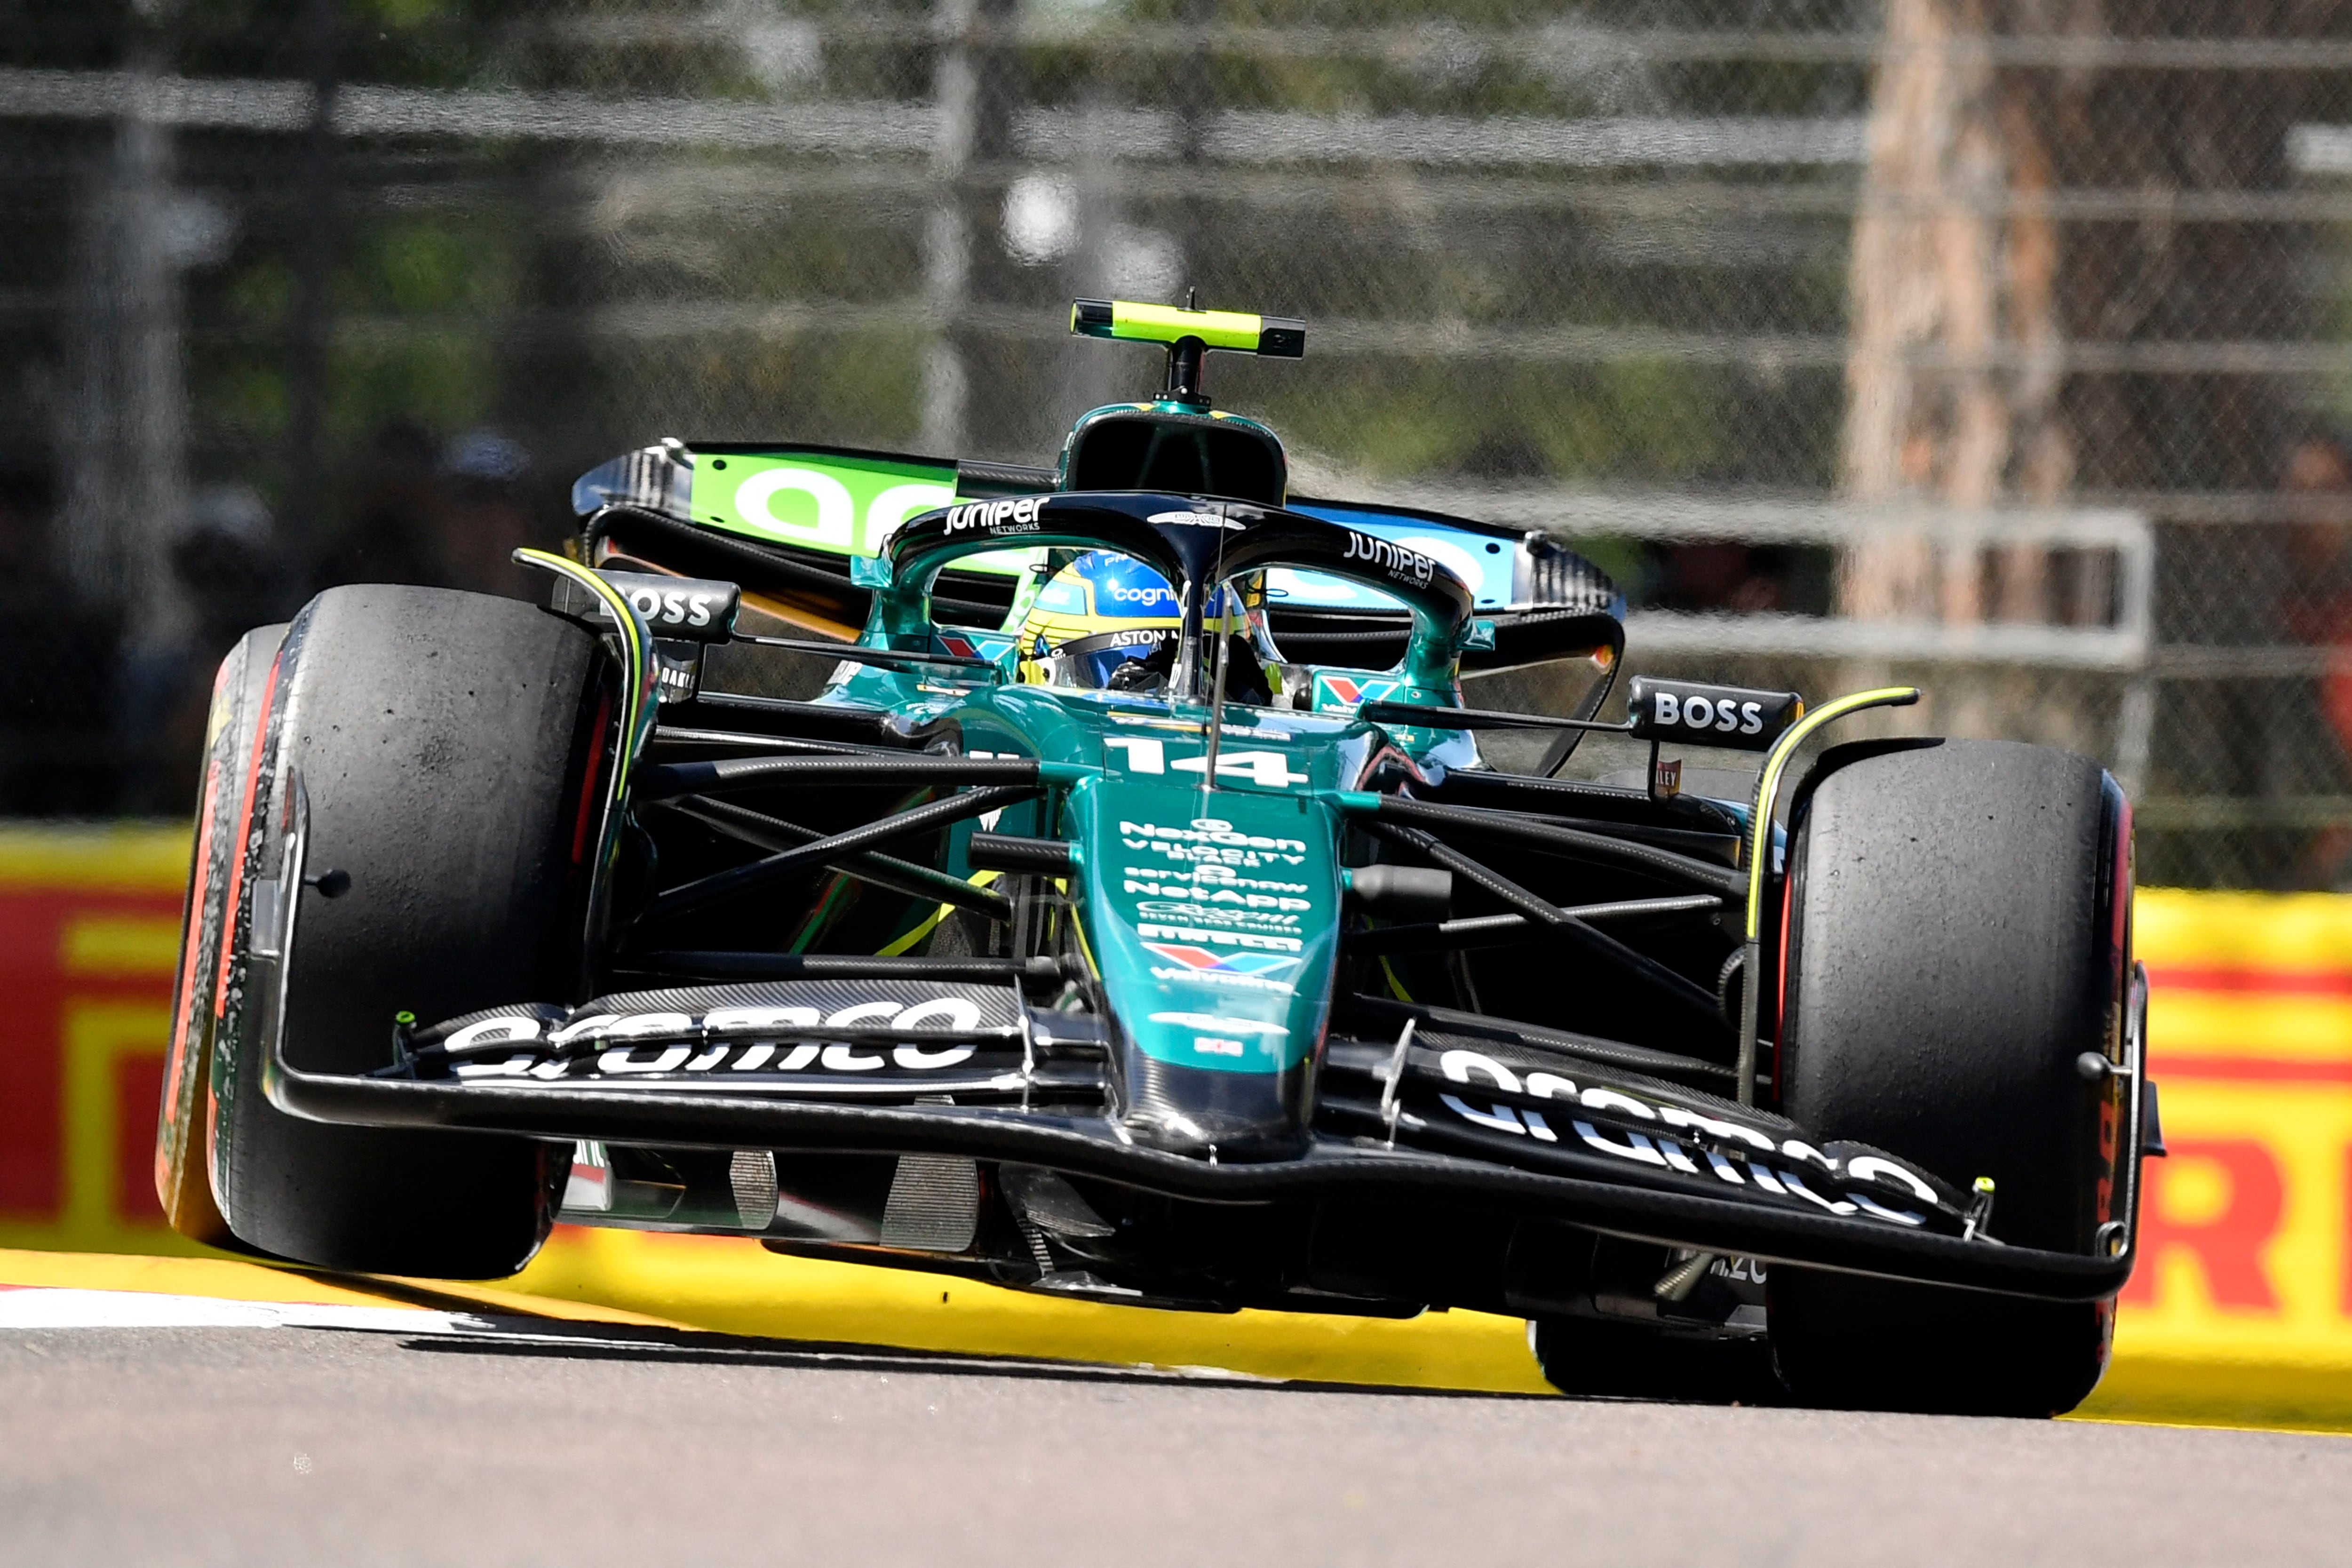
{"x":1957,"y":936}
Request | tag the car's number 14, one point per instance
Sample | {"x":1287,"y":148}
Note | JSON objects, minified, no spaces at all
{"x":1148,"y":754}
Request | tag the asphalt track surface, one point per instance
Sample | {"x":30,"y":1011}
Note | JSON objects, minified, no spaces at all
{"x":309,"y":1445}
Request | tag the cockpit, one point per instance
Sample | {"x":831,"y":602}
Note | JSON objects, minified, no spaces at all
{"x":1103,"y":621}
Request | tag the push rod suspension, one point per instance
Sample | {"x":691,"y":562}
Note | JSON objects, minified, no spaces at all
{"x":676,"y":737}
{"x":725,"y":773}
{"x":774,"y":835}
{"x":1497,"y":931}
{"x":1592,"y":1047}
{"x":1572,"y":798}
{"x":1696,"y":843}
{"x":858,"y":653}
{"x":1647,"y":972}
{"x":839,"y":966}
{"x":1409,"y":713}
{"x":818,"y":852}
{"x":1599,"y":847}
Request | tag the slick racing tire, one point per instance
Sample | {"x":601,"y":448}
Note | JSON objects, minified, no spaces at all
{"x":448,"y":749}
{"x":1957,"y":937}
{"x":183,"y":1120}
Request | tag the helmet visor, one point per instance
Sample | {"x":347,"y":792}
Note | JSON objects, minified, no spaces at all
{"x":1101,"y":662}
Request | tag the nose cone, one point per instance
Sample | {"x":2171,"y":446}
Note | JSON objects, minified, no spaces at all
{"x":1221,"y":1116}
{"x":1216,"y":937}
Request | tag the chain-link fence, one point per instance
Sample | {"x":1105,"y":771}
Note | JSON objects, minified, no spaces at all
{"x":1997,"y":344}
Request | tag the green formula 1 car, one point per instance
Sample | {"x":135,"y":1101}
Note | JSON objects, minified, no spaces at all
{"x":1131,"y":881}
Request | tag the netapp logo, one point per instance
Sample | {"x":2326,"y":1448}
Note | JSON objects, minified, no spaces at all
{"x":993,"y":514}
{"x":1404,"y":565}
{"x":1215,"y":895}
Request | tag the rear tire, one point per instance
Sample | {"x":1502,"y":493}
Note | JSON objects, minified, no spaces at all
{"x":1958,"y":937}
{"x":446,"y":750}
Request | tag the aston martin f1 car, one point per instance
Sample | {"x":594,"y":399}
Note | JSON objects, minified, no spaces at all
{"x":1131,"y":881}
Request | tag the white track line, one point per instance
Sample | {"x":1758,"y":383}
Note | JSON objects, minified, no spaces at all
{"x":37,"y":1308}
{"x":29,"y":1308}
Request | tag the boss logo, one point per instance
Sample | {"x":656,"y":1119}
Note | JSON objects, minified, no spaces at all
{"x":1697,"y":713}
{"x":674,"y":608}
{"x":690,"y":609}
{"x":1728,"y":716}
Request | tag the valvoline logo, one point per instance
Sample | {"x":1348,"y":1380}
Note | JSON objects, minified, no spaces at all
{"x":1254,"y":965}
{"x":1351,"y":691}
{"x":970,"y":647}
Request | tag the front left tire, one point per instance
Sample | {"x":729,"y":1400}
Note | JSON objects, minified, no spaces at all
{"x":184,"y":1132}
{"x":449,"y":749}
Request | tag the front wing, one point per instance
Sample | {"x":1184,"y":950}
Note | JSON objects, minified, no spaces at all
{"x":1445,"y":1112}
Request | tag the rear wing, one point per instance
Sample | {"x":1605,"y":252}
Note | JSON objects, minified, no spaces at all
{"x":805,"y":512}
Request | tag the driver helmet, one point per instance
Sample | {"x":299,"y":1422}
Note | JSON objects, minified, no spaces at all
{"x":1103,"y":622}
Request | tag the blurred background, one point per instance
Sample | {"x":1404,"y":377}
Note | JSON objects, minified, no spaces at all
{"x":1999,"y":345}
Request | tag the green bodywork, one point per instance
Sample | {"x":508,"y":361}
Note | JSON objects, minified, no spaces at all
{"x":1207,"y":908}
{"x":1211,"y":912}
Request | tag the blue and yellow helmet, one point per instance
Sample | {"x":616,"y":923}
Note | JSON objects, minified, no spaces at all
{"x":1104,"y":621}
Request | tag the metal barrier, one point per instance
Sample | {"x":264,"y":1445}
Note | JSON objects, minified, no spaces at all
{"x":291,"y":311}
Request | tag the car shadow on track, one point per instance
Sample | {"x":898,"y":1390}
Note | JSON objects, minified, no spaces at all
{"x":569,"y":1341}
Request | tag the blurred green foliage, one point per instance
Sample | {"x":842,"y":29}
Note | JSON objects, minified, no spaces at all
{"x":584,"y":297}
